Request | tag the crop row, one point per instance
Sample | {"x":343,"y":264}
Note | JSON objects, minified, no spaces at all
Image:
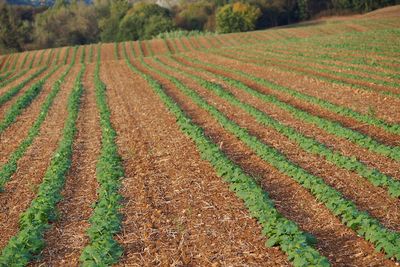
{"x":279,"y":230}
{"x":306,"y":143}
{"x":105,"y":221}
{"x":261,"y":60}
{"x":287,"y":61}
{"x":299,"y":53}
{"x":384,"y":239}
{"x":9,"y":168}
{"x":29,"y":241}
{"x":14,"y":90}
{"x":331,"y":127}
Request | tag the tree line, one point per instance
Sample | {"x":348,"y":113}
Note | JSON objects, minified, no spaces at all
{"x":76,"y":22}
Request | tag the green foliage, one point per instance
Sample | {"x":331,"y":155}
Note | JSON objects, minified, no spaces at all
{"x":306,"y":143}
{"x":144,"y":21}
{"x":182,"y":33}
{"x":12,"y":29}
{"x":334,"y":128}
{"x":33,"y":223}
{"x":279,"y":230}
{"x":105,"y":221}
{"x":384,"y":239}
{"x":14,"y":90}
{"x":66,"y":24}
{"x":238,"y":17}
{"x":196,"y":16}
{"x":110,"y":15}
{"x":9,"y":168}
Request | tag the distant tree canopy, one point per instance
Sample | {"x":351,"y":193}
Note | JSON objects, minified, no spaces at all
{"x":72,"y":22}
{"x":143,"y":21}
{"x":14,"y":31}
{"x":65,"y":24}
{"x":237,"y":17}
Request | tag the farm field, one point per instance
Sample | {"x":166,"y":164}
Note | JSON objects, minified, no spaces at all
{"x":268,"y":148}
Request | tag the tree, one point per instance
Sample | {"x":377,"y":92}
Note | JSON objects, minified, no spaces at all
{"x":109,"y":24}
{"x":237,"y":17}
{"x":143,"y":21}
{"x":194,"y":16}
{"x":13,"y":31}
{"x":66,"y":24}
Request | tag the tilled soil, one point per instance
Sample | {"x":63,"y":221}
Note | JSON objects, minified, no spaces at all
{"x":6,"y":106}
{"x":21,"y":189}
{"x":367,"y":197}
{"x":374,"y":160}
{"x":159,"y":46}
{"x":375,"y":132}
{"x":12,"y":137}
{"x":176,"y":211}
{"x":335,"y":241}
{"x":67,"y":237}
{"x":304,"y":70}
{"x":357,"y":99}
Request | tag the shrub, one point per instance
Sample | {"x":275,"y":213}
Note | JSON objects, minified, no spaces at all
{"x":237,"y":17}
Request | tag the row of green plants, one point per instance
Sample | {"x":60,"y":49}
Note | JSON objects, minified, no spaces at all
{"x":91,"y":52}
{"x":65,"y":61}
{"x":306,"y":53}
{"x":5,"y":75}
{"x":50,"y":56}
{"x":33,"y":223}
{"x":41,"y":57}
{"x":279,"y":230}
{"x":10,"y":167}
{"x":24,"y":101}
{"x":182,"y":33}
{"x":105,"y":221}
{"x":24,"y":60}
{"x":260,"y":59}
{"x":83,"y":54}
{"x":15,"y":90}
{"x":116,"y":52}
{"x":14,"y":77}
{"x":6,"y":62}
{"x":331,"y":127}
{"x":32,"y":60}
{"x":286,"y":61}
{"x":306,"y":143}
{"x":372,"y":230}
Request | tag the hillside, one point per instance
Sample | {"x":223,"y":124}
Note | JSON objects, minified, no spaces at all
{"x":266,"y":148}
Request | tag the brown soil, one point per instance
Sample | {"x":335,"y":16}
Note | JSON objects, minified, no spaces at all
{"x":5,"y":107}
{"x":4,"y":59}
{"x":11,"y":138}
{"x":382,"y":163}
{"x":291,"y":51}
{"x":342,"y":246}
{"x":107,"y":52}
{"x":293,"y":58}
{"x":308,"y":86}
{"x":136,"y":47}
{"x":143,"y":45}
{"x":171,"y":46}
{"x":71,"y":54}
{"x":21,"y":190}
{"x":177,"y":212}
{"x":188,"y":44}
{"x":67,"y":237}
{"x":179,"y":44}
{"x":159,"y":47}
{"x":20,"y":60}
{"x":367,"y":197}
{"x":285,"y":64}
